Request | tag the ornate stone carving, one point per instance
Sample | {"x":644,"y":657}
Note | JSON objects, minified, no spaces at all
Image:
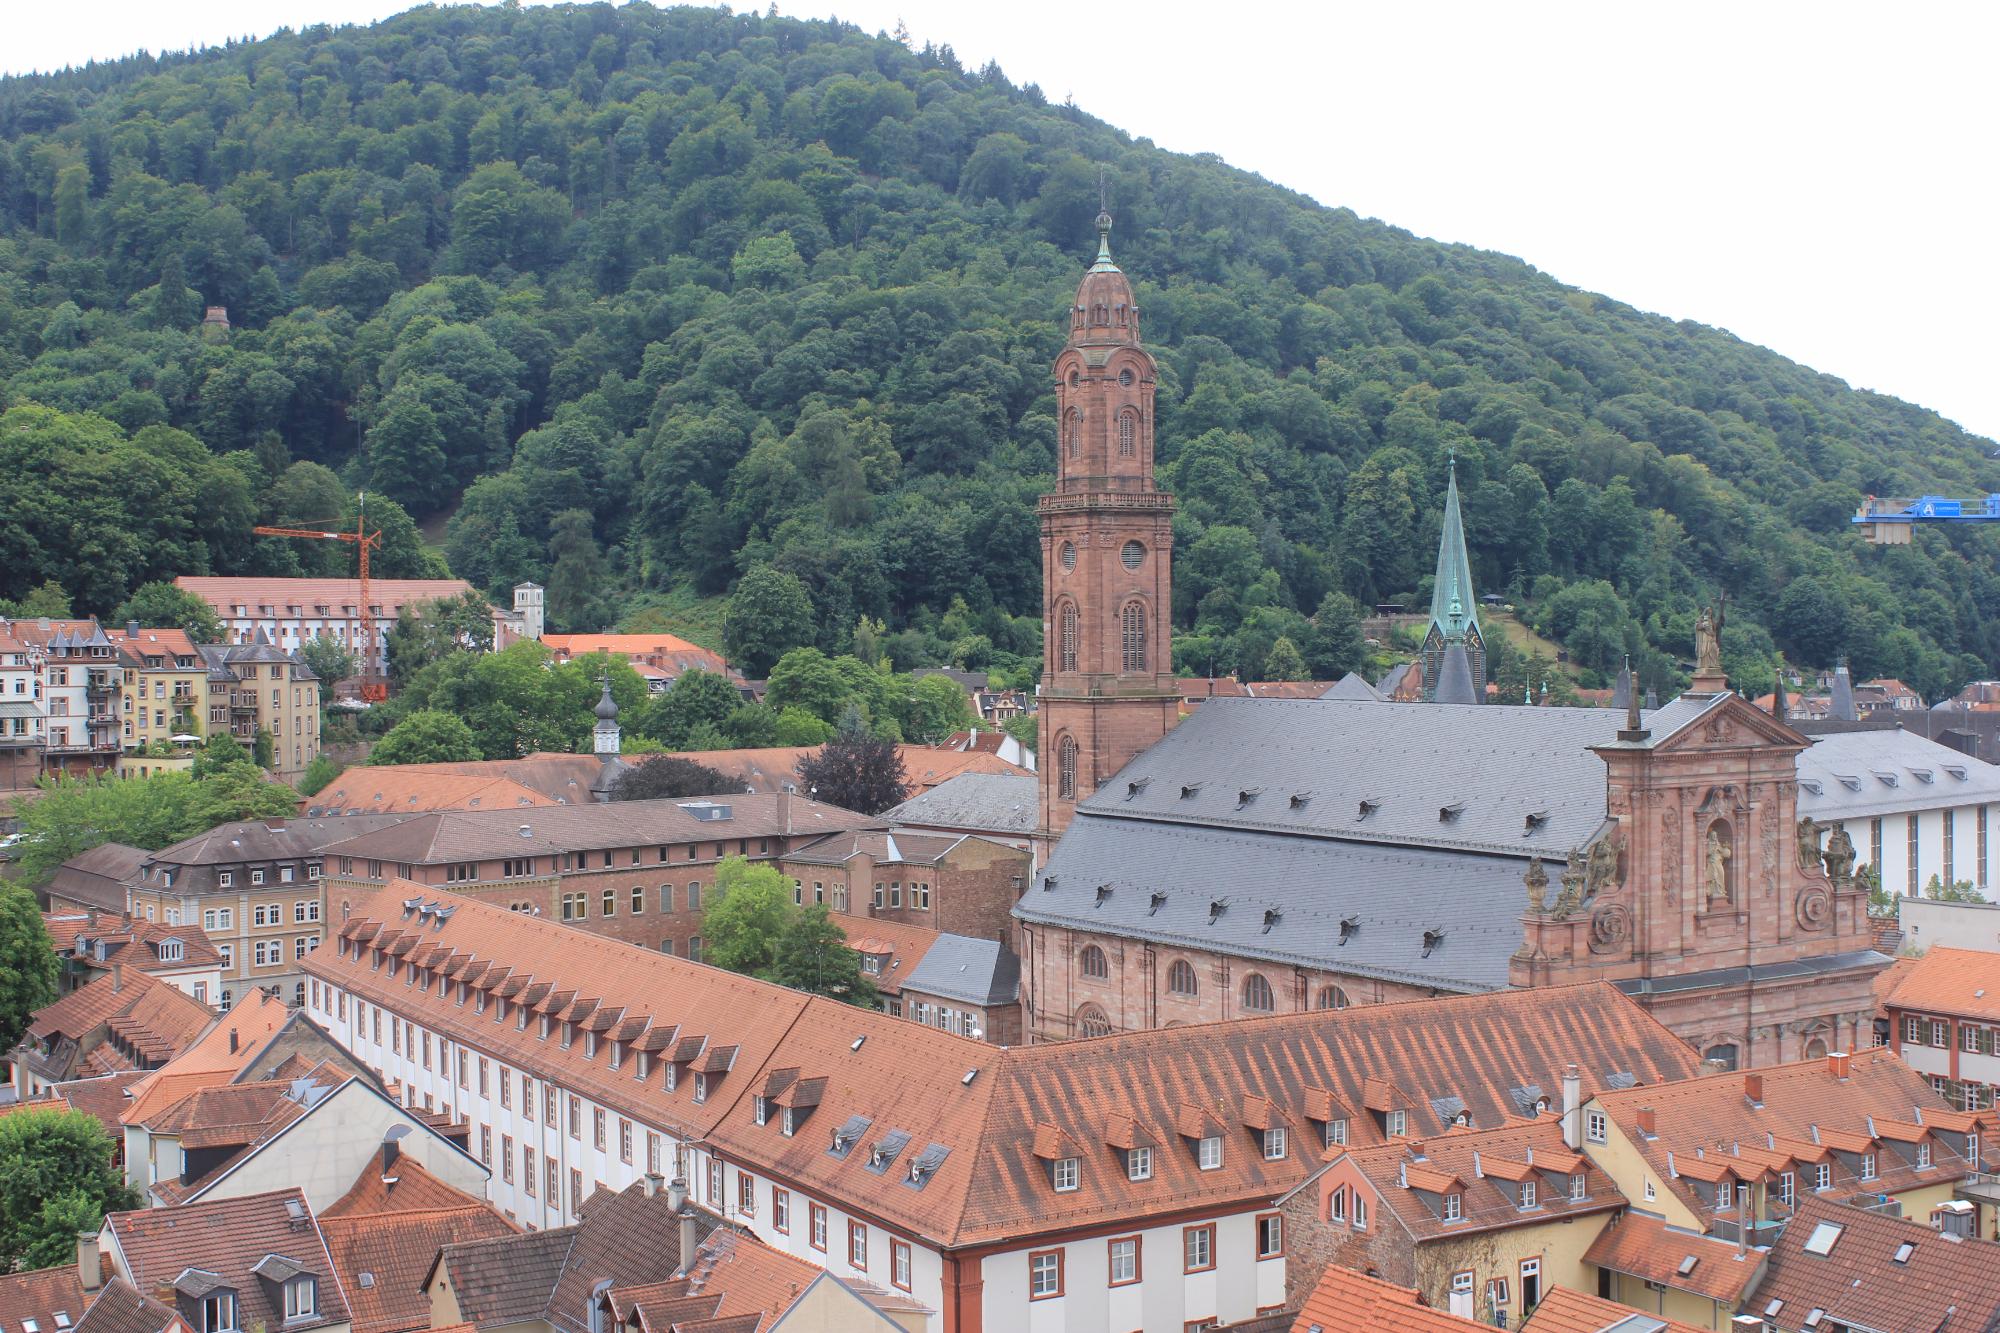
{"x":1768,"y":845}
{"x":1574,"y":877}
{"x":1718,"y":732}
{"x":1602,"y":874}
{"x":1715,"y":857}
{"x":1670,"y":852}
{"x":1537,"y":880}
{"x":1610,"y":926}
{"x":1814,"y":908}
{"x":1809,"y":853}
{"x":1708,"y":639}
{"x":1839,"y":858}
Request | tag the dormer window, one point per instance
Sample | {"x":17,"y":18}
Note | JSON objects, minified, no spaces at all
{"x":673,"y":1076}
{"x":788,"y":1123}
{"x":1336,"y":1132}
{"x":1274,"y":1144}
{"x":1868,"y":1166}
{"x":1577,"y":1184}
{"x":1395,"y":1124}
{"x":700,"y":1088}
{"x":760,"y":1110}
{"x":1527,"y":1194}
{"x":218,"y":1312}
{"x":1139,"y":1163}
{"x":301,"y":1298}
{"x":170,"y":951}
{"x":1063,"y":1174}
{"x":1454,"y":1207}
{"x":1208,"y":1152}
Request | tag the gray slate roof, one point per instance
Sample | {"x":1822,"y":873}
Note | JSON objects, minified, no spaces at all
{"x":969,"y":970}
{"x":977,"y":802}
{"x":1393,"y":895}
{"x":1353,"y":686}
{"x":1860,"y":774}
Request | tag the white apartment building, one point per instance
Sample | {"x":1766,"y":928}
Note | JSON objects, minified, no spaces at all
{"x":1913,"y":808}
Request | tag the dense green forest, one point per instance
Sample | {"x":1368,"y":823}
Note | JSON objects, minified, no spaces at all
{"x":635,"y":302}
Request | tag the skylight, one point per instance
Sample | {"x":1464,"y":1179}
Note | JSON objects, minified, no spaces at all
{"x":1904,"y":1251}
{"x":1822,"y":1239}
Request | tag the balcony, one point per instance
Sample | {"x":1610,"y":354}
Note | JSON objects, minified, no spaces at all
{"x":243,"y":701}
{"x":183,"y":695}
{"x":101,"y":682}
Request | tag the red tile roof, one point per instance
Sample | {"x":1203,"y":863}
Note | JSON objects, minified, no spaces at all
{"x":119,"y":1308}
{"x":1565,"y":1311}
{"x":1486,"y":1169}
{"x":1706,"y":1124}
{"x":1349,"y":1302}
{"x":227,"y":1238}
{"x":415,"y":1190}
{"x":1648,"y":1248}
{"x":40,"y":1295}
{"x":103,"y":1097}
{"x":152,"y":1018}
{"x":251,"y":593}
{"x":393,"y":789}
{"x":898,"y":948}
{"x":210,"y":1060}
{"x":771,"y":769}
{"x":119,"y":931}
{"x":1964,"y":983}
{"x":670,"y":650}
{"x":980,"y":1105}
{"x":1860,"y":1281}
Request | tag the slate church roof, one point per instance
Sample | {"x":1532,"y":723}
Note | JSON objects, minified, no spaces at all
{"x":1383,"y":839}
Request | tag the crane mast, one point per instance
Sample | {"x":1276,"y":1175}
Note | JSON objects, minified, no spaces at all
{"x":374,"y":687}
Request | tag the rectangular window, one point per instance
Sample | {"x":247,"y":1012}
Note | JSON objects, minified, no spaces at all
{"x":486,"y":1144}
{"x":1336,"y":1206}
{"x":816,"y":1226}
{"x":1360,"y":1212}
{"x":1910,"y":837}
{"x":715,"y":1182}
{"x":638,"y":900}
{"x":1527,"y":1194}
{"x":1395,"y":1123}
{"x":1270,"y":1236}
{"x":1274,"y":1144}
{"x":746,"y":1194}
{"x":575,"y":1189}
{"x":549,"y":1114}
{"x":1594,"y":1126}
{"x":1578,"y":1183}
{"x":1124,"y":1255}
{"x":694,"y":897}
{"x":1045,"y":1274}
{"x":597,"y":1129}
{"x":781,"y":1211}
{"x":1197,"y":1249}
{"x":1064,"y":1173}
{"x":1208,"y":1152}
{"x":1946,"y":873}
{"x":1913,"y":1031}
{"x":624,"y":1140}
{"x":1868,"y":1166}
{"x":1823,"y":1175}
{"x":507,"y":1158}
{"x":608,"y":903}
{"x":899,"y":1264}
{"x":555,"y":1182}
{"x":1938,"y":1031}
{"x":528,"y":1169}
{"x":1336,"y":1132}
{"x":1979,"y":869}
{"x":1139,"y":1164}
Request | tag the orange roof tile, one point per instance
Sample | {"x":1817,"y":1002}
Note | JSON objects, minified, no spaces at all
{"x":1648,"y":1248}
{"x":1472,"y":1164}
{"x":1856,"y":1277}
{"x":1565,"y":1311}
{"x":1961,"y":982}
{"x":39,"y":1295}
{"x":395,"y":1251}
{"x":415,"y":1190}
{"x":899,"y":947}
{"x":225,"y":593}
{"x":671,"y":649}
{"x":771,"y":769}
{"x":210,"y":1060}
{"x":392,"y":789}
{"x":979,"y":1104}
{"x":1349,"y":1302}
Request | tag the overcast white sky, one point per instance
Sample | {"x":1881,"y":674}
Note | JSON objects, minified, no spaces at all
{"x":1818,"y":178}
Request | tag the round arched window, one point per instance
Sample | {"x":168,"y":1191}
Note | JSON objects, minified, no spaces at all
{"x":1091,"y":1022}
{"x":1133,"y":555}
{"x":1094,"y":964}
{"x":1068,"y":556}
{"x":1125,"y":378}
{"x":1330,"y":997}
{"x":1180,"y":978}
{"x":1074,"y":378}
{"x":1257,"y":994}
{"x":1066,"y":769}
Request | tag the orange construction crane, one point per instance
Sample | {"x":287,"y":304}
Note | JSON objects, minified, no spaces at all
{"x":373,"y":687}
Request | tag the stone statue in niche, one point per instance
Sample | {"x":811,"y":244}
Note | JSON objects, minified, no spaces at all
{"x":1537,"y":880}
{"x":1839,"y":858}
{"x":1715,"y":855}
{"x":1602,"y":871}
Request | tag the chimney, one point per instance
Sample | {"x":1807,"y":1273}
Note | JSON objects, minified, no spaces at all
{"x":132,"y":628}
{"x":653,"y":1180}
{"x":276,"y":824}
{"x":688,"y":1240}
{"x":1753,"y":1088}
{"x":1572,"y":1108}
{"x":117,"y":977}
{"x":1646,"y":1122}
{"x":89,"y":1261}
{"x":677,"y":1194}
{"x":1839,"y":1064}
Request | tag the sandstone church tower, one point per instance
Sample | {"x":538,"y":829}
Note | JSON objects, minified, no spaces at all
{"x":1107,"y":547}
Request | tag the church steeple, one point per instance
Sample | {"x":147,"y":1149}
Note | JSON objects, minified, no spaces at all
{"x":1454,"y":608}
{"x":1107,"y":687}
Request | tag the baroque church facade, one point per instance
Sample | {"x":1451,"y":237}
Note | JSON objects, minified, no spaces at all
{"x":1272,"y":856}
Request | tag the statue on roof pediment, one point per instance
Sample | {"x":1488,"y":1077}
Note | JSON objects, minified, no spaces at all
{"x":1602,"y":872}
{"x":1839,"y":858}
{"x":1809,"y":853}
{"x":1537,"y":882}
{"x":1575,"y":876}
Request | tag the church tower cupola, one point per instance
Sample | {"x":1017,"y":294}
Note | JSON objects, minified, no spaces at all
{"x":1454,"y":608}
{"x":1107,"y":548}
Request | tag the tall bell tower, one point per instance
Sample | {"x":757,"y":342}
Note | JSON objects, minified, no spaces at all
{"x":1107,"y":554}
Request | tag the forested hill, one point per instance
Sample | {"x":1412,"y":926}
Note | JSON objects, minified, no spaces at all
{"x":646,"y":299}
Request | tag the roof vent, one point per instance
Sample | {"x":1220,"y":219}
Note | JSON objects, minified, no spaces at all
{"x":1448,"y":814}
{"x":526,"y":831}
{"x":1300,"y":798}
{"x":1247,"y":795}
{"x":1350,"y":926}
{"x":1535,"y":823}
{"x":926,"y":1164}
{"x":1812,"y":785}
{"x":1432,"y":939}
{"x":1216,"y":907}
{"x":1048,"y":884}
{"x":1103,"y":895}
{"x":1136,"y":787}
{"x":1272,"y":916}
{"x":1159,"y":900}
{"x":1369,"y":806}
{"x":1687,"y":1264}
{"x":1191,"y":790}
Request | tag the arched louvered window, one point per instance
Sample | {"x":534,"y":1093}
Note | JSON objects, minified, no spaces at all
{"x":1072,"y":431}
{"x":1091,"y":1022}
{"x":1066,"y":768}
{"x":1094,"y":963}
{"x":1066,"y":637}
{"x":1133,"y":623}
{"x":1180,"y":978}
{"x":1128,"y":433}
{"x":1257,"y":994}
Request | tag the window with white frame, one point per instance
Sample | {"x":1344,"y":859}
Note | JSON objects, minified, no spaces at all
{"x":1274,"y":1143}
{"x":1454,"y":1207}
{"x":1139,"y":1163}
{"x":1594,"y":1126}
{"x":1064,"y":1173}
{"x":1208,"y":1152}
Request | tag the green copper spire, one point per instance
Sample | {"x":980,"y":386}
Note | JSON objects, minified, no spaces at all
{"x":1104,"y":264}
{"x":1454,"y":609}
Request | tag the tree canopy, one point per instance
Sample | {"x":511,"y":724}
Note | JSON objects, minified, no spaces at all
{"x":856,"y":771}
{"x":57,"y":1178}
{"x":753,"y":315}
{"x":72,"y":815}
{"x":29,"y":971}
{"x":667,"y":775}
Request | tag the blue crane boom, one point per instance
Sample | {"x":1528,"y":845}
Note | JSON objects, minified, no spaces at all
{"x":1891,"y":522}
